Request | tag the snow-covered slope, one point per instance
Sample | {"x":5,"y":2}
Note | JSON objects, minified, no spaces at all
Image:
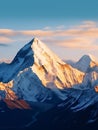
{"x":91,"y":79}
{"x":36,"y":74}
{"x":45,"y":71}
{"x":79,"y":99}
{"x":27,"y":86}
{"x":50,"y":69}
{"x":36,"y":62}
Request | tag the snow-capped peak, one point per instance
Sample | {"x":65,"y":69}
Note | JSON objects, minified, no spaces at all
{"x":36,"y":64}
{"x":42,"y":54}
{"x":86,"y":62}
{"x":93,"y":58}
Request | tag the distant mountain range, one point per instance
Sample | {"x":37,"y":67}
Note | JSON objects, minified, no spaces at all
{"x":39,"y":78}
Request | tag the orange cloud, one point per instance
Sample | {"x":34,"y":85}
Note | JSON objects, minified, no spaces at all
{"x":86,"y":25}
{"x":81,"y":36}
{"x":37,"y":33}
{"x":92,"y":33}
{"x":5,"y":60}
{"x":7,"y":32}
{"x":5,"y":40}
{"x":74,"y":43}
{"x":79,"y":43}
{"x":86,"y":29}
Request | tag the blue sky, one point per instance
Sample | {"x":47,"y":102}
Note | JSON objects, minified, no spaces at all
{"x":57,"y":18}
{"x":48,"y":9}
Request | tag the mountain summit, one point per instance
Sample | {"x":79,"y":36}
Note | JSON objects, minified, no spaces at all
{"x":47,"y":67}
{"x":37,"y":62}
{"x":86,"y":62}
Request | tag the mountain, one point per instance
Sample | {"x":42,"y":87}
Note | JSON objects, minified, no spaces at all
{"x":37,"y":74}
{"x":36,"y":67}
{"x":22,"y":60}
{"x":37,"y":87}
{"x":85,"y":64}
{"x":51,"y":70}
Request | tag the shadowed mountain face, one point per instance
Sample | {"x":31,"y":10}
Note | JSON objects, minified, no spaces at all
{"x":48,"y":91}
{"x":22,"y":60}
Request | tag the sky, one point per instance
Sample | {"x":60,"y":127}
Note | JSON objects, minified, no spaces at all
{"x":68,"y":27}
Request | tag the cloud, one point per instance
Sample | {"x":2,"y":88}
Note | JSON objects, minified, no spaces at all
{"x":3,"y":45}
{"x":8,"y":32}
{"x":87,"y":29}
{"x":5,"y":40}
{"x":60,"y":27}
{"x":74,"y":43}
{"x":86,"y":25}
{"x":83,"y":36}
{"x":37,"y":33}
{"x":5,"y":60}
{"x":92,"y":33}
{"x":47,"y":28}
{"x":78,"y":43}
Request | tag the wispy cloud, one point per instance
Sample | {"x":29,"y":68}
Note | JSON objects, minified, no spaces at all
{"x":47,"y":28}
{"x":37,"y":33}
{"x":5,"y":40}
{"x":86,"y":25}
{"x":5,"y":60}
{"x":79,"y":43}
{"x":3,"y":45}
{"x":87,"y":28}
{"x":8,"y":32}
{"x":74,"y":43}
{"x":60,"y":27}
{"x":83,"y":36}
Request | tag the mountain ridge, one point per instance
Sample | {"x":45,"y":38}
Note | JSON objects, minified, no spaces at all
{"x":36,"y":65}
{"x":39,"y":87}
{"x":37,"y":61}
